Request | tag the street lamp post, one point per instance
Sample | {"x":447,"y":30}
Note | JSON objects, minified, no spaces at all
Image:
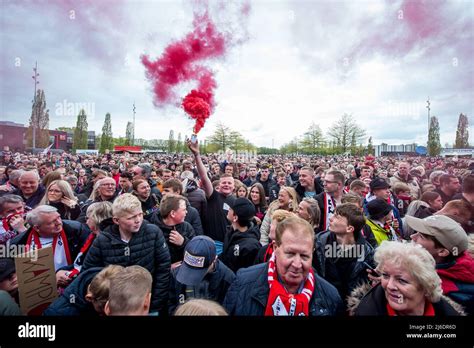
{"x":35,"y":116}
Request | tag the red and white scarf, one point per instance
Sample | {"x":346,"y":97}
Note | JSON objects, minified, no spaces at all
{"x":329,"y":209}
{"x":79,"y":261}
{"x":60,"y":247}
{"x":280,"y":302}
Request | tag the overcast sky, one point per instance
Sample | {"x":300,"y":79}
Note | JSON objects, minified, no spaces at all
{"x":297,"y":62}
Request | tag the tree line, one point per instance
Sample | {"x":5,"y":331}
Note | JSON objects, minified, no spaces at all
{"x":344,"y":136}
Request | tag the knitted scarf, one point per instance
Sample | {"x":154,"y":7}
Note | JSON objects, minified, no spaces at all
{"x":280,"y":302}
{"x":60,"y":245}
{"x":79,"y":261}
{"x":329,"y":208}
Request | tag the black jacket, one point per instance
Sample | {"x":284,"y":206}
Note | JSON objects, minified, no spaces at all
{"x":66,"y":212}
{"x":240,"y":248}
{"x":345,"y":273}
{"x":300,"y":189}
{"x":193,"y":218}
{"x":197,"y":198}
{"x":146,"y":248}
{"x":249,"y":292}
{"x":185,"y":229}
{"x":213,"y":287}
{"x":76,"y":234}
{"x":266,"y":184}
{"x":77,"y":290}
{"x":34,"y":200}
{"x":151,"y":205}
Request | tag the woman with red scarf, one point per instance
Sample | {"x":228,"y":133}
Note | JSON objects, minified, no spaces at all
{"x":409,"y":285}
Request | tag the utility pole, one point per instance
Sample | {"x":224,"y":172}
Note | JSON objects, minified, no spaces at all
{"x":35,"y":116}
{"x":133,"y":133}
{"x":428,"y":107}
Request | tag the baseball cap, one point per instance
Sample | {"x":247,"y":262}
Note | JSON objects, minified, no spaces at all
{"x":378,"y":183}
{"x":199,"y":253}
{"x":447,"y":232}
{"x":378,"y":208}
{"x":7,"y":267}
{"x":243,"y":208}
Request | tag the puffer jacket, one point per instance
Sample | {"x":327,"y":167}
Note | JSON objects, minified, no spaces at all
{"x":248,"y":294}
{"x":184,"y":229}
{"x":146,"y":248}
{"x":327,"y":262}
{"x":240,"y":248}
{"x":77,"y":290}
{"x":367,"y":301}
{"x":213,"y":287}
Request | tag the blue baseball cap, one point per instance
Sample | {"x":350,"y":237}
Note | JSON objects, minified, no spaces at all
{"x":199,"y":254}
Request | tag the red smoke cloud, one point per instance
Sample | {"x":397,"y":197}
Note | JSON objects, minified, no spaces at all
{"x":179,"y":63}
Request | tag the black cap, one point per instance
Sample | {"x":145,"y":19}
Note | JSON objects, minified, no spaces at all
{"x":7,"y":267}
{"x":378,"y":183}
{"x":243,"y":208}
{"x":378,"y":208}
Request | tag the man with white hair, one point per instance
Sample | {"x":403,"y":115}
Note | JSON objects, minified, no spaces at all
{"x":30,"y":188}
{"x":48,"y":229}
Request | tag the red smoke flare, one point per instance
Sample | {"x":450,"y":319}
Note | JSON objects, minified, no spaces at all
{"x":179,"y":64}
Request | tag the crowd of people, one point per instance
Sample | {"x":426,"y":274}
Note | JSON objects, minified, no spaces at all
{"x":193,"y":234}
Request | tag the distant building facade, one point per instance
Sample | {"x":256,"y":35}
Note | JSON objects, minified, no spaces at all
{"x":14,"y":135}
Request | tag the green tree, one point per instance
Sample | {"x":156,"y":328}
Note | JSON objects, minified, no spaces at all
{"x":462,"y":133}
{"x":171,"y":142}
{"x":312,"y":139}
{"x":346,"y":133}
{"x":221,"y":137}
{"x":80,"y":132}
{"x":129,"y":134}
{"x":434,"y":144}
{"x":106,"y":141}
{"x":39,"y":122}
{"x":236,"y":141}
{"x":179,"y":144}
{"x":370,"y":147}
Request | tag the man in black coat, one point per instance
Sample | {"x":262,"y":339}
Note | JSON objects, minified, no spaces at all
{"x":201,"y":275}
{"x":342,"y":255}
{"x":170,"y":220}
{"x":287,"y":284}
{"x":242,"y":241}
{"x":133,"y":241}
{"x":47,"y":229}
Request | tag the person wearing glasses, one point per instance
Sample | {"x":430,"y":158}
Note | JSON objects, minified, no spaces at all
{"x":104,"y":190}
{"x":59,"y":195}
{"x":331,"y":197}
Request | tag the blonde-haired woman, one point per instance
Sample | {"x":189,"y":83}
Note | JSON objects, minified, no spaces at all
{"x":59,"y":195}
{"x":409,"y":285}
{"x":287,"y":200}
